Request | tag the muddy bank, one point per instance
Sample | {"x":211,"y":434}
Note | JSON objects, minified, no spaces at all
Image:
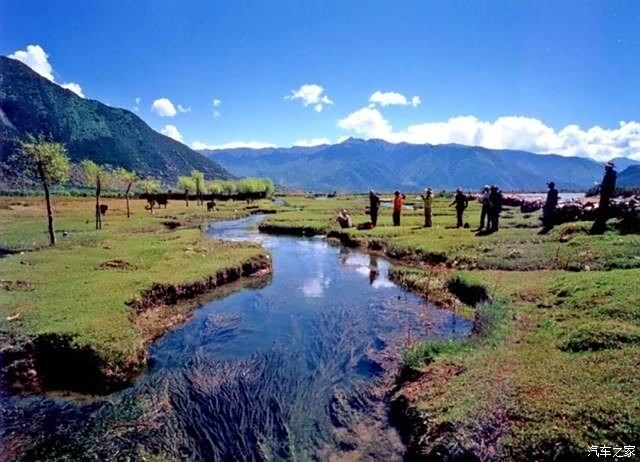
{"x":366,"y":244}
{"x":290,"y":230}
{"x":54,"y":362}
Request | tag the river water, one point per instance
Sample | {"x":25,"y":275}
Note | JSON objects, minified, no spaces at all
{"x":290,"y":368}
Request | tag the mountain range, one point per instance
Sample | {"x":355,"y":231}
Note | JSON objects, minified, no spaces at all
{"x":358,"y":165}
{"x":630,"y":177}
{"x":31,"y":104}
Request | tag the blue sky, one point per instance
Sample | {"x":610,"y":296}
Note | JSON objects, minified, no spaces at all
{"x":547,"y":76}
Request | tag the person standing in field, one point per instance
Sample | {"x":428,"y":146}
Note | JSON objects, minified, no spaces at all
{"x":484,"y":212}
{"x":549,"y":209}
{"x":607,"y":188}
{"x":495,"y":207}
{"x":427,"y":199}
{"x":461,"y":202}
{"x":374,"y":207}
{"x":398,"y":202}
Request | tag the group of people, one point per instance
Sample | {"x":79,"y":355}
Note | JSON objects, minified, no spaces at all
{"x":491,"y":205}
{"x":491,"y":200}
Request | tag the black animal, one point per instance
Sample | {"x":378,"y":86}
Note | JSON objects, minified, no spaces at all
{"x":210,"y":206}
{"x":103,"y":209}
{"x":162,"y":199}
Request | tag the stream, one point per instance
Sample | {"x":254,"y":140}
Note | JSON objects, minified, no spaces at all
{"x":294,"y":367}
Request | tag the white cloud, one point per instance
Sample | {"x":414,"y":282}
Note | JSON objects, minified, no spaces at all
{"x":509,"y":132}
{"x":183,"y":109}
{"x":311,"y":94}
{"x":312,"y":142}
{"x":392,"y":98}
{"x":37,"y":59}
{"x":136,"y":104}
{"x":172,"y":132}
{"x":216,"y":104}
{"x":367,"y":122}
{"x":74,"y":87}
{"x":233,"y":145}
{"x":164,"y":107}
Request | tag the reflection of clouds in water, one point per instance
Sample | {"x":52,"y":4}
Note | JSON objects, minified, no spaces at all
{"x":315,"y":287}
{"x":363,"y":270}
{"x":358,"y":260}
{"x":382,"y":283}
{"x":313,"y":243}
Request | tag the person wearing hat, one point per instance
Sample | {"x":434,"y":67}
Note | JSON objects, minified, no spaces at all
{"x":461,"y":202}
{"x":427,"y":199}
{"x":607,"y":189}
{"x":484,"y":212}
{"x":374,"y":207}
{"x":398,"y":202}
{"x":549,"y":208}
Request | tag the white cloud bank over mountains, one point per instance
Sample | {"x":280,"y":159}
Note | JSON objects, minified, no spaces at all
{"x":37,"y":59}
{"x":232,"y":145}
{"x":311,"y":142}
{"x":509,"y":132}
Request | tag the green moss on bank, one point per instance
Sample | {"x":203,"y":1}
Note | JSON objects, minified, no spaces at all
{"x":527,"y":395}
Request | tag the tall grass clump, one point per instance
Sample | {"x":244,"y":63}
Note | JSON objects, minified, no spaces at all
{"x":420,"y":353}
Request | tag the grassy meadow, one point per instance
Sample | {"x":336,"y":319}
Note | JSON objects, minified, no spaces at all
{"x":81,"y":287}
{"x":550,"y":369}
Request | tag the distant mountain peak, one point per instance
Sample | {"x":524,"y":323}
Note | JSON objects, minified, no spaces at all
{"x":359,"y":165}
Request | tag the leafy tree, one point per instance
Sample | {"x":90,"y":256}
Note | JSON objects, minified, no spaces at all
{"x":95,"y":176}
{"x":228,"y":187}
{"x":150,"y":186}
{"x":48,"y":162}
{"x":125,"y":179}
{"x":269,"y":187}
{"x":215,"y":187}
{"x":198,"y":179}
{"x":187,"y":184}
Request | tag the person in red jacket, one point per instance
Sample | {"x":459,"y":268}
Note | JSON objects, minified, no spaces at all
{"x":398,"y":202}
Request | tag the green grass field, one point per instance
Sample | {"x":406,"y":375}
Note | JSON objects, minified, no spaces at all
{"x":81,"y":287}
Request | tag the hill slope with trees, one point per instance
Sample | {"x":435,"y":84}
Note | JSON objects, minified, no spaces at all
{"x":31,"y":104}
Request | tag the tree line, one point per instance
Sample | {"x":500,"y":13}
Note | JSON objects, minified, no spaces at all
{"x":48,"y":163}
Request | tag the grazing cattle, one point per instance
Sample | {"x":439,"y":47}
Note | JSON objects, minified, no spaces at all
{"x":162,"y":199}
{"x":210,"y":206}
{"x":103,"y":209}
